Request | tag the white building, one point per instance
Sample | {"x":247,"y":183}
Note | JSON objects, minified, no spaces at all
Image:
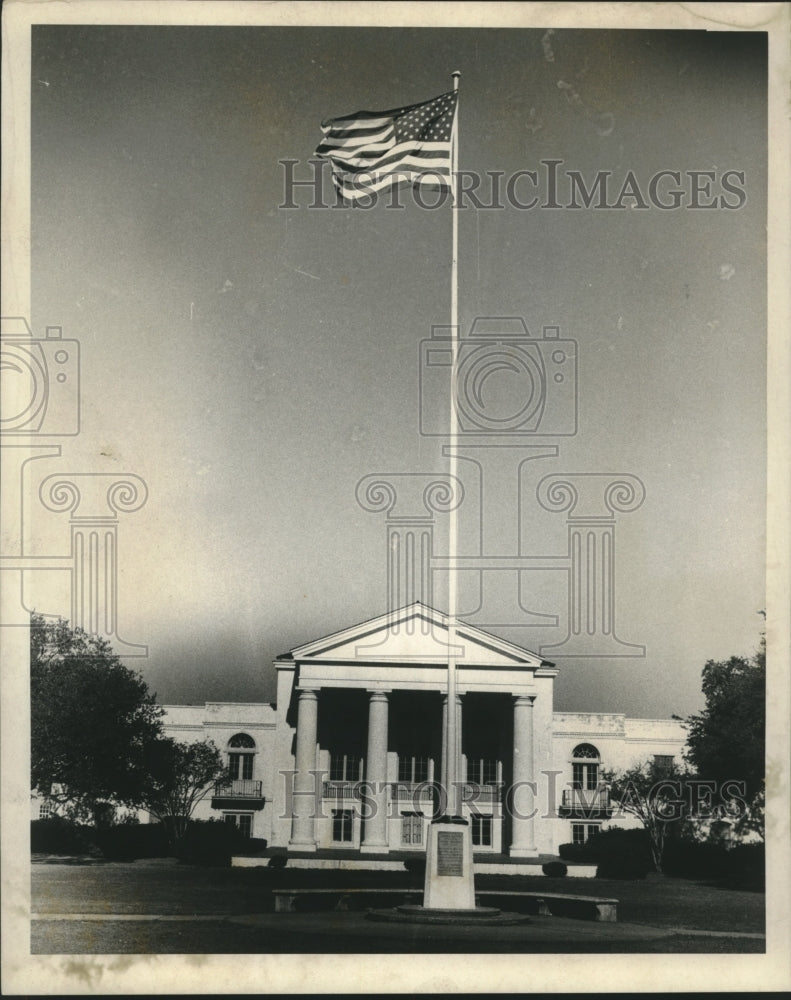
{"x":350,"y":755}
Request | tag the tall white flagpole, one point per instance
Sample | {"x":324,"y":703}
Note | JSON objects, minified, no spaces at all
{"x":450,"y":881}
{"x":451,"y":748}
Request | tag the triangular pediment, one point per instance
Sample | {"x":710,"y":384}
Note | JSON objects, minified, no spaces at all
{"x":417,"y":634}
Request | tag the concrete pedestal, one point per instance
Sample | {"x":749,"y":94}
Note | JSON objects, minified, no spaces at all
{"x":449,"y":876}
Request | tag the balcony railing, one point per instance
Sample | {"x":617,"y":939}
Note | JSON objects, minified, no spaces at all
{"x":582,"y":800}
{"x":400,"y":791}
{"x":412,"y":791}
{"x":474,"y":792}
{"x":341,"y":789}
{"x":239,"y":788}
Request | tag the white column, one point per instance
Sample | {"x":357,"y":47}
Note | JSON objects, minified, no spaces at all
{"x":445,"y":792}
{"x":454,"y":796}
{"x":303,"y":808}
{"x":523,"y":799}
{"x":375,"y":838}
{"x":461,"y":770}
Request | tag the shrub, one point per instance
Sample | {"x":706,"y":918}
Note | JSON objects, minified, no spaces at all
{"x":574,"y":852}
{"x":618,"y":853}
{"x":416,"y":870}
{"x":57,"y":835}
{"x":211,"y":842}
{"x":692,"y":859}
{"x":625,"y":867}
{"x":738,"y":867}
{"x":745,"y":867}
{"x":617,"y":842}
{"x":555,"y":869}
{"x":253,"y":846}
{"x":609,"y":847}
{"x":130,"y":841}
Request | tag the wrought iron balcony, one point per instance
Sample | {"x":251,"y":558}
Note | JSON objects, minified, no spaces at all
{"x":239,"y":788}
{"x":341,"y":789}
{"x":474,"y":792}
{"x":585,"y":802}
{"x":412,"y":791}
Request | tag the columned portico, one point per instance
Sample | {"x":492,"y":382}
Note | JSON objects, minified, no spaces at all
{"x":375,"y":835}
{"x":523,"y":796}
{"x":303,"y":835}
{"x":371,"y":759}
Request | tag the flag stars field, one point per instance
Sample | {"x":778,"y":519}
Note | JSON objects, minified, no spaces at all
{"x":371,"y":150}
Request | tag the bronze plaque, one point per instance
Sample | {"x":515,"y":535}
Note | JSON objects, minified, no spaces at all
{"x":450,"y":853}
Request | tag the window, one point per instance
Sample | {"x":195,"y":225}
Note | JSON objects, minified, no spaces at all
{"x":242,"y":741}
{"x":344,"y":767}
{"x":481,"y":831}
{"x":413,"y":769}
{"x":482,"y":771}
{"x":45,"y":810}
{"x":412,"y":828}
{"x":242,"y":821}
{"x":240,"y":765}
{"x":241,"y":756}
{"x":342,"y":826}
{"x":585,"y":762}
{"x":664,"y":763}
{"x":580,"y":832}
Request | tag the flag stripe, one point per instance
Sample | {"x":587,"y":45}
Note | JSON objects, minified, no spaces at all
{"x":366,"y":159}
{"x":369,"y":150}
{"x":354,"y":191}
{"x":361,"y":136}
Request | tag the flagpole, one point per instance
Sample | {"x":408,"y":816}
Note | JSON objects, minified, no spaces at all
{"x":451,"y":749}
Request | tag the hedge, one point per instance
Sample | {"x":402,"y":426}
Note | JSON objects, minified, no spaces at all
{"x":56,"y":835}
{"x":626,"y":854}
{"x":130,"y":841}
{"x":616,"y":853}
{"x":742,"y":866}
{"x":214,"y":842}
{"x":208,"y":842}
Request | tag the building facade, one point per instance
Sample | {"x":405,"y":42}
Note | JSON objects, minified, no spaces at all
{"x":351,"y":755}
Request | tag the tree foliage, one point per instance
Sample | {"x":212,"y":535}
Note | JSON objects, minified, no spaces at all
{"x":726,"y":741}
{"x":180,"y":776}
{"x":654,"y":794}
{"x":93,"y":721}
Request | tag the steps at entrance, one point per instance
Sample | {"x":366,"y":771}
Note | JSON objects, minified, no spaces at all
{"x":383,"y":864}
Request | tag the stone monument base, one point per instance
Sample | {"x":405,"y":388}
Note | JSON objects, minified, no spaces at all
{"x":449,"y":881}
{"x":480,"y":915}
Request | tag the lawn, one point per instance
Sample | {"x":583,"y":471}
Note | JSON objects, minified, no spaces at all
{"x":165,"y":887}
{"x":660,"y":902}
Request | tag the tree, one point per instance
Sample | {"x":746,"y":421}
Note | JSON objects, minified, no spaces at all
{"x":93,"y":721}
{"x":655,"y":794}
{"x":180,"y":776}
{"x":726,"y":742}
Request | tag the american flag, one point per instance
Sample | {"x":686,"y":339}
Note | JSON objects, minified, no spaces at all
{"x":370,"y":150}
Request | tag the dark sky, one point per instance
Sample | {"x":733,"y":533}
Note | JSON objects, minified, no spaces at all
{"x":252,"y":364}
